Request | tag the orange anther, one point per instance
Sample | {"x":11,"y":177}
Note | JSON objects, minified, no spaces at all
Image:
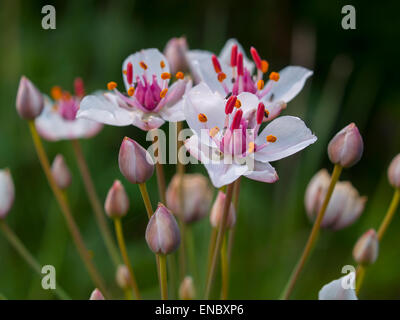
{"x":274,"y":76}
{"x":221,"y":76}
{"x":264,"y":66}
{"x":260,"y":84}
{"x":202,"y":117}
{"x":271,"y":138}
{"x":111,"y":85}
{"x":213,"y":131}
{"x":165,"y":75}
{"x":131,"y":91}
{"x":56,"y":92}
{"x":252,"y":146}
{"x":162,"y":64}
{"x":238,"y":104}
{"x":179,"y":75}
{"x":163,"y":93}
{"x":143,"y":65}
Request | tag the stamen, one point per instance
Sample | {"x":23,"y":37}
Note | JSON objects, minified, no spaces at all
{"x":271,"y":138}
{"x":252,"y":147}
{"x":163,"y":93}
{"x":143,"y":65}
{"x":56,"y":92}
{"x":111,"y":85}
{"x":237,"y":118}
{"x":256,"y":58}
{"x":264,"y":66}
{"x":180,"y":75}
{"x":238,"y":104}
{"x":230,"y":104}
{"x":124,"y":72}
{"x":162,"y":64}
{"x":213,"y":132}
{"x":266,"y":113}
{"x":165,"y":75}
{"x":131,"y":91}
{"x":129,"y":73}
{"x":239,"y":63}
{"x":221,"y":76}
{"x":234,"y":55}
{"x":216,"y":64}
{"x":260,"y":113}
{"x":79,"y":87}
{"x":260,"y":84}
{"x":274,"y":76}
{"x":202,"y":117}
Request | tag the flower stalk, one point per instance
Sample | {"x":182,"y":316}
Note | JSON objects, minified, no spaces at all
{"x":162,"y":264}
{"x":224,"y":269}
{"x":146,"y":199}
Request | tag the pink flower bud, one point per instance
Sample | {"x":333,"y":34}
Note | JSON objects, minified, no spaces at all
{"x":346,"y":147}
{"x":217,"y":212}
{"x":345,"y":205}
{"x":394,"y":172}
{"x":175,"y":53}
{"x":162,"y":233}
{"x":7,"y":192}
{"x":30,"y":101}
{"x":186,"y":289}
{"x":61,"y":172}
{"x":123,"y":277}
{"x":366,"y":250}
{"x":197,"y":197}
{"x":135,"y":163}
{"x":96,"y":295}
{"x":117,"y":201}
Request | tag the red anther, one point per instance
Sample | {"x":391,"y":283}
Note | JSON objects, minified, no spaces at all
{"x":260,"y":113}
{"x":129,"y":73}
{"x":234,"y":55}
{"x":230,"y":104}
{"x":79,"y":87}
{"x":239,"y":63}
{"x":256,"y":57}
{"x":237,"y":118}
{"x":217,"y":66}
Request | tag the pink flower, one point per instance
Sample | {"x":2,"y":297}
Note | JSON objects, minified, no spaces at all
{"x":58,"y":120}
{"x":149,"y":100}
{"x":227,"y":140}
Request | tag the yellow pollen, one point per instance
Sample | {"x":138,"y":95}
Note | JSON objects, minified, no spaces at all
{"x":179,"y":75}
{"x":274,"y":76}
{"x":111,"y":85}
{"x":266,"y":113}
{"x":143,"y":65}
{"x":271,"y":138}
{"x":238,"y":104}
{"x":131,"y":91}
{"x":213,"y":131}
{"x":165,"y":75}
{"x":252,"y":146}
{"x":202,"y":117}
{"x":264,"y":66}
{"x":162,"y":64}
{"x":163,"y":93}
{"x":260,"y":84}
{"x":56,"y":92}
{"x":221,"y":76}
{"x":124,"y":72}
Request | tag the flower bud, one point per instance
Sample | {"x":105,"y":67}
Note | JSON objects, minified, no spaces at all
{"x":96,"y":295}
{"x":346,"y":147}
{"x":366,"y":250}
{"x":186,"y":289}
{"x":7,"y":192}
{"x":197,"y":196}
{"x":135,"y":163}
{"x":30,"y":101}
{"x":61,"y":173}
{"x":117,"y":201}
{"x":340,"y":289}
{"x":217,"y":212}
{"x":345,"y":205}
{"x":162,"y":233}
{"x":394,"y":172}
{"x":175,"y":53}
{"x":123,"y":277}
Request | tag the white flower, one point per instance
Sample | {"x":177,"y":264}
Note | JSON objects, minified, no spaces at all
{"x":7,"y":192}
{"x":340,"y":289}
{"x":149,"y":100}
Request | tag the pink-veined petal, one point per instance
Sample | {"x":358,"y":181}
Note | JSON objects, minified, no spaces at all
{"x":262,"y":172}
{"x":147,"y":121}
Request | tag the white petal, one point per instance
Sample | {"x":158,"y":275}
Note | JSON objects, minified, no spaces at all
{"x":263,"y":172}
{"x":292,"y":136}
{"x":222,"y":174}
{"x":146,"y":121}
{"x":152,"y":58}
{"x":249,"y":103}
{"x":339,"y":289}
{"x":105,"y":109}
{"x":7,"y":192}
{"x":292,"y":80}
{"x":225,"y":55}
{"x":195,"y":58}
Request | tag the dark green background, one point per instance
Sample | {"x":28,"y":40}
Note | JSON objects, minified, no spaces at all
{"x":356,"y":78}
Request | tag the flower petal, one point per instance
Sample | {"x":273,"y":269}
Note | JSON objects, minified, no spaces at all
{"x":339,"y":289}
{"x":292,"y":80}
{"x":7,"y":192}
{"x":249,"y":103}
{"x":194,"y":57}
{"x":263,"y":172}
{"x":146,"y":121}
{"x":292,"y":136}
{"x":225,"y":55}
{"x":222,"y":173}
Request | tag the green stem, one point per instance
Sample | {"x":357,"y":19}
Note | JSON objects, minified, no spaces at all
{"x":313,"y":235}
{"x":146,"y":199}
{"x":95,"y":203}
{"x":191,"y":250}
{"x":224,"y":270}
{"x":162,"y":263}
{"x":26,"y":255}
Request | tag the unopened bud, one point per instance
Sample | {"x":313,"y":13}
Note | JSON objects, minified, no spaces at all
{"x":394,"y":172}
{"x":186,"y":289}
{"x":135,"y":162}
{"x":60,"y":172}
{"x":117,"y":201}
{"x":175,"y":53}
{"x":217,"y":212}
{"x":197,"y":196}
{"x":96,"y":295}
{"x":30,"y":101}
{"x":123,"y":277}
{"x":366,"y":250}
{"x":7,"y":192}
{"x":346,"y":147}
{"x":162,"y":233}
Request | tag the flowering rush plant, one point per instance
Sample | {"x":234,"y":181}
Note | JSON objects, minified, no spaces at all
{"x":233,"y":107}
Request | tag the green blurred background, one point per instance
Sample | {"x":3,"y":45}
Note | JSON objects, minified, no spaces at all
{"x":356,"y":78}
